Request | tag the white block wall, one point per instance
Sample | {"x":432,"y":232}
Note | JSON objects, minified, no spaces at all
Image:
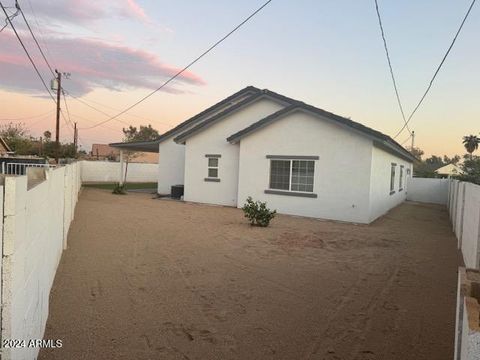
{"x":467,"y":324}
{"x":428,"y":190}
{"x":107,"y":171}
{"x":464,"y":208}
{"x":35,"y":226}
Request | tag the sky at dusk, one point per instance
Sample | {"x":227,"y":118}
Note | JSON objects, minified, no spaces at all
{"x":326,"y":53}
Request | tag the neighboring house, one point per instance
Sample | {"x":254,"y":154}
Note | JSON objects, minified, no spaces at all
{"x":449,"y":170}
{"x":4,"y":148}
{"x":298,"y":158}
{"x":106,"y":152}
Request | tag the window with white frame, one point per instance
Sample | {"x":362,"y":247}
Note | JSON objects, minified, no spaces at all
{"x":400,"y":181}
{"x":213,"y":167}
{"x":392,"y":178}
{"x":294,"y":175}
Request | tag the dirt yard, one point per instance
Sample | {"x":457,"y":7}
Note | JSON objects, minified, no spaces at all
{"x":158,"y":279}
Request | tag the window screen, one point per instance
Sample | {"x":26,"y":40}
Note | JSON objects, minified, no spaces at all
{"x":280,"y":174}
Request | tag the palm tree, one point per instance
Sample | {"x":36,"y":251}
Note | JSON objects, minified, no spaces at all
{"x":471,"y":143}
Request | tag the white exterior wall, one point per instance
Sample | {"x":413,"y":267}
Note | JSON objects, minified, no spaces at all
{"x":428,"y":190}
{"x":469,"y":224}
{"x":108,"y":171}
{"x":342,"y":173}
{"x":171,"y":165}
{"x":380,"y":199}
{"x":464,"y":209}
{"x":213,"y":141}
{"x":35,"y":226}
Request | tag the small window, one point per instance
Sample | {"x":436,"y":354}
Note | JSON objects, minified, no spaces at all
{"x":292,"y":175}
{"x":213,"y":167}
{"x":400,"y":180}
{"x":392,"y":178}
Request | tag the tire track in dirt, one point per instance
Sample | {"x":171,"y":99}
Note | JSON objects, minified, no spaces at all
{"x":351,"y":330}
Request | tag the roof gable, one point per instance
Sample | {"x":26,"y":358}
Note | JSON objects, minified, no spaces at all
{"x":222,"y":106}
{"x":380,"y":140}
{"x":223,"y":114}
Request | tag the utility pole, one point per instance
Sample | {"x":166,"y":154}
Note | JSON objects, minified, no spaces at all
{"x":57,"y":127}
{"x":413,"y":140}
{"x":75,"y":138}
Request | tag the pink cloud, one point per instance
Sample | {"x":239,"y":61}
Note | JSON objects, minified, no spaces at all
{"x":92,"y":63}
{"x":136,"y":9}
{"x":83,"y":12}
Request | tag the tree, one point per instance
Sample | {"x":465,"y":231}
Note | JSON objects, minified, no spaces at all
{"x":427,"y":167}
{"x":471,"y":169}
{"x":417,"y":152}
{"x":47,"y":135}
{"x":17,"y":138}
{"x":145,"y":133}
{"x":453,"y":160}
{"x":471,"y":143}
{"x":132,"y":134}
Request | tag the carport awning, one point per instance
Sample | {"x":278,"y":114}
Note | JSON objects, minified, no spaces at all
{"x":146,"y":146}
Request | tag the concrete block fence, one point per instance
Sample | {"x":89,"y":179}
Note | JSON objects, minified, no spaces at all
{"x":108,"y":171}
{"x":464,"y":209}
{"x":467,"y":335}
{"x":36,"y":219}
{"x":427,"y":190}
{"x":463,"y":203}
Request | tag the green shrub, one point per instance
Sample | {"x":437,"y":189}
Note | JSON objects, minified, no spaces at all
{"x":119,"y":189}
{"x":257,"y":212}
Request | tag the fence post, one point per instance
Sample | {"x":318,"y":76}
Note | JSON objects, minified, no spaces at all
{"x":462,"y":215}
{"x":477,"y":262}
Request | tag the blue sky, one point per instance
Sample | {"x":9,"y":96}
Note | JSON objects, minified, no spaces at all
{"x":327,"y":53}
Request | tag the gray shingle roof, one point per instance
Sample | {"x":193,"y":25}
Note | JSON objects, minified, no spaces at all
{"x":198,"y":118}
{"x":194,"y":119}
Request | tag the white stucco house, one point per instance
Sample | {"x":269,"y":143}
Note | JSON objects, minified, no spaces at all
{"x":300,"y":159}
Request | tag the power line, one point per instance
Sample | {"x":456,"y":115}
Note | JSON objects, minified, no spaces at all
{"x":10,"y":17}
{"x":66,"y":107}
{"x":27,"y":53}
{"x":132,"y":115}
{"x":185,"y":68}
{"x":390,"y":65}
{"x":35,"y":39}
{"x":26,"y":117}
{"x":438,"y":68}
{"x":404,"y":141}
{"x":92,"y":107}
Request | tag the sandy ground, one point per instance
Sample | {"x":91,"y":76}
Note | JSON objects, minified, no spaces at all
{"x":158,"y":279}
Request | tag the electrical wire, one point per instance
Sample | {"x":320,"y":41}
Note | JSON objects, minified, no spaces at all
{"x":390,"y":66}
{"x":92,"y":107}
{"x":10,"y":17}
{"x":35,"y":39}
{"x":26,"y":117}
{"x":115,"y":109}
{"x":404,"y":141}
{"x":438,"y":69}
{"x":177,"y":74}
{"x":28,"y":54}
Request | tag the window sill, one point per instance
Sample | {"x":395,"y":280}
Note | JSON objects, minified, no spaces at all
{"x":291,"y":193}
{"x":212,"y":179}
{"x":392,"y":192}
